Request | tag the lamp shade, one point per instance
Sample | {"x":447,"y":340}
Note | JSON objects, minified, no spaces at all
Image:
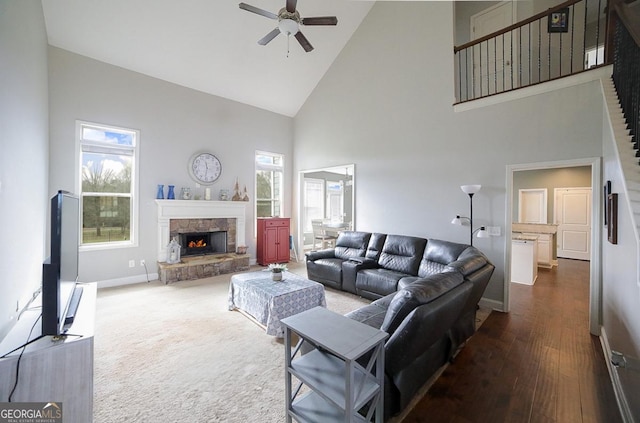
{"x":457,"y":221}
{"x":470,"y":189}
{"x":483,"y":233}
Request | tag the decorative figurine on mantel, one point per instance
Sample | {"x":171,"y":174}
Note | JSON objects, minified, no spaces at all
{"x":245,"y":196}
{"x":236,"y":192}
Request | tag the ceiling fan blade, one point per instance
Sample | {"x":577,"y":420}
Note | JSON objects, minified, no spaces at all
{"x":270,"y":36}
{"x":320,"y":20}
{"x":306,"y":45}
{"x":258,"y":11}
{"x":291,"y":6}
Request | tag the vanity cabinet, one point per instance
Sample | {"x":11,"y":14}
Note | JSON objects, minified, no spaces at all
{"x":545,"y":249}
{"x":272,"y":243}
{"x":545,"y":234}
{"x":524,"y":257}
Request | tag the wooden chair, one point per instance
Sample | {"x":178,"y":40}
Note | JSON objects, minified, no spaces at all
{"x":320,"y":233}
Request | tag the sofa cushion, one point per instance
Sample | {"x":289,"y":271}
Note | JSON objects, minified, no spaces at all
{"x":419,"y":292}
{"x":402,"y":253}
{"x":428,"y":267}
{"x":376,"y":242}
{"x":443,"y":252}
{"x":469,"y":261}
{"x":331,"y":268}
{"x":351,"y":244}
{"x":379,"y":281}
{"x":437,"y":255}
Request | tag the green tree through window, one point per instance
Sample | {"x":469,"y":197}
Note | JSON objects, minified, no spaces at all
{"x":107,"y":183}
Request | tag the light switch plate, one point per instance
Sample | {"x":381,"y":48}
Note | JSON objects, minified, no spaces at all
{"x":493,"y":230}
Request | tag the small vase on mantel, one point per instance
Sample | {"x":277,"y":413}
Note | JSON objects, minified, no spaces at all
{"x":160,"y":193}
{"x":171,"y":195}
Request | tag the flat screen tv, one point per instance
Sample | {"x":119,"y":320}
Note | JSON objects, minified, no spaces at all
{"x":60,"y":270}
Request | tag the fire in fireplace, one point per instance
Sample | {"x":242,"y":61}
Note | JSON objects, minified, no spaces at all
{"x":200,"y":243}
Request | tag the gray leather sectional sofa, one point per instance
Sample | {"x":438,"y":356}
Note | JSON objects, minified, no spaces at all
{"x":425,"y":292}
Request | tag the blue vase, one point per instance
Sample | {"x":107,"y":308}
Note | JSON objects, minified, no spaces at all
{"x":160,"y":193}
{"x":171,"y":195}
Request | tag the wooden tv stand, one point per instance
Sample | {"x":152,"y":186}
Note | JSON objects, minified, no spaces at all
{"x":52,"y":370}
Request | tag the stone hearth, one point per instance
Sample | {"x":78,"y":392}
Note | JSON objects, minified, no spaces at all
{"x":203,"y":267}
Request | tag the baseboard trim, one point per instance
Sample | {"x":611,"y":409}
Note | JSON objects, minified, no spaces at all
{"x":621,"y":398}
{"x":129,"y":280}
{"x":492,"y":304}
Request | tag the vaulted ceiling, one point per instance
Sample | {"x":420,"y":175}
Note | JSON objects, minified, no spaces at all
{"x":208,"y":45}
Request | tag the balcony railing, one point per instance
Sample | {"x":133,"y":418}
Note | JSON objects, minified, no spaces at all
{"x":562,"y":41}
{"x":625,"y":54}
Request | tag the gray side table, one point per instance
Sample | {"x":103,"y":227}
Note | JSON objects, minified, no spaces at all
{"x":340,"y":389}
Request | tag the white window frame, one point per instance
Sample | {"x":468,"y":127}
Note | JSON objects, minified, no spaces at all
{"x":269,"y":167}
{"x":305,"y":208}
{"x":134,"y":206}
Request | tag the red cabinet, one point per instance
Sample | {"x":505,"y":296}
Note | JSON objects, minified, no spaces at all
{"x":273,"y":240}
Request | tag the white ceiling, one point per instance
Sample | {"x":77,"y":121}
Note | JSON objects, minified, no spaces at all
{"x":208,"y":45}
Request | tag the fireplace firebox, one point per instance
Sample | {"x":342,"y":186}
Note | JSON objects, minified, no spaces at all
{"x":201,"y":243}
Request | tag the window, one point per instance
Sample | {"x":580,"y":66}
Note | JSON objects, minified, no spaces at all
{"x":108,"y":181}
{"x":594,"y":57}
{"x":335,"y":201}
{"x":313,"y":201}
{"x":269,"y":184}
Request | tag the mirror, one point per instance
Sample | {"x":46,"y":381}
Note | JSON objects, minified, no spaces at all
{"x":326,"y":196}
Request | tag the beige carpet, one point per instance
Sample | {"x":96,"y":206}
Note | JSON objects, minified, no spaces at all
{"x":174,"y":353}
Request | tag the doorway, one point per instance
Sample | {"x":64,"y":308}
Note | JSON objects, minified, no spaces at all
{"x":326,"y":195}
{"x":572,"y":211}
{"x":493,"y":71}
{"x":594,"y":169}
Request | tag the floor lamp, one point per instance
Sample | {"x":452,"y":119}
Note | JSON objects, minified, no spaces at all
{"x":482,"y":232}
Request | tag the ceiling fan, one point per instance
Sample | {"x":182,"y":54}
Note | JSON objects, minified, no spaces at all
{"x":289,"y":21}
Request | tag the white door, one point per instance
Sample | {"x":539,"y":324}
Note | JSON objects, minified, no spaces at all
{"x":573,"y":217}
{"x":532,"y":205}
{"x":493,"y":60}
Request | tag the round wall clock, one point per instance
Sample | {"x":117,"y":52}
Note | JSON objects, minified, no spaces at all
{"x":204,"y":168}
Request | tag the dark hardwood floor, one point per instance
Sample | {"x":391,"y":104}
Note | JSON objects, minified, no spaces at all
{"x":537,"y":363}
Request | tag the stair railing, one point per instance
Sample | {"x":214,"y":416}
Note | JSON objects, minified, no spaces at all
{"x":564,"y":40}
{"x":624,"y":20}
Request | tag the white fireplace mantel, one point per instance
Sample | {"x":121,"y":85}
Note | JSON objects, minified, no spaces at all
{"x":194,"y":209}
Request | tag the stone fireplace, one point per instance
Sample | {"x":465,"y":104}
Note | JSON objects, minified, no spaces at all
{"x":201,"y":243}
{"x":204,"y":236}
{"x":209,"y":233}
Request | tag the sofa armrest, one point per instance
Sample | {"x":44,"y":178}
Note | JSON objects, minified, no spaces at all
{"x":364,"y":262}
{"x":422,"y":328}
{"x":321,"y":254}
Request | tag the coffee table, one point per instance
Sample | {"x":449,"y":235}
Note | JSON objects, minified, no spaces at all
{"x":267,"y":301}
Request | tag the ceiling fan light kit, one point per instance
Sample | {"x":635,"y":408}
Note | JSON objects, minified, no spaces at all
{"x":288,"y":26}
{"x":289,"y":22}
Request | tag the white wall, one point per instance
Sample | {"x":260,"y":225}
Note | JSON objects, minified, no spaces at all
{"x":174,"y":123}
{"x":386,"y":105}
{"x":550,"y":179}
{"x":620,"y":285}
{"x":24,"y":158}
